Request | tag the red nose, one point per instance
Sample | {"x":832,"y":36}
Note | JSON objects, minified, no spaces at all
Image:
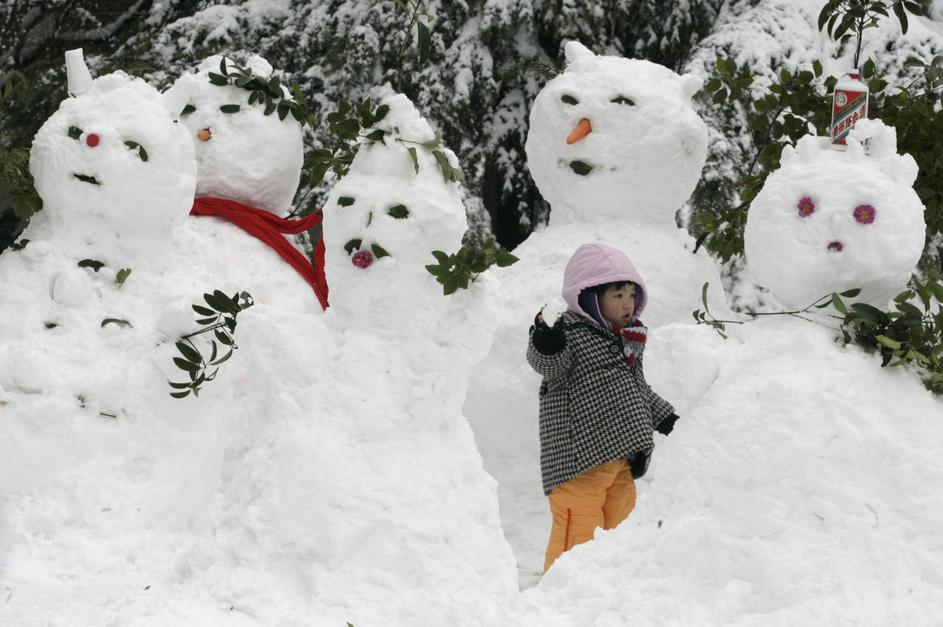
{"x":92,"y":140}
{"x":362,"y":259}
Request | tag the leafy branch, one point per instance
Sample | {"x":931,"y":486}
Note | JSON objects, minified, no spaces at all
{"x":457,"y":270}
{"x":268,"y":93}
{"x":220,"y":319}
{"x":838,"y":17}
{"x":706,"y":317}
{"x":911,"y":334}
{"x":414,"y":11}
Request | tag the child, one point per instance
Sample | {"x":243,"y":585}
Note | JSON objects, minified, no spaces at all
{"x":597,"y":413}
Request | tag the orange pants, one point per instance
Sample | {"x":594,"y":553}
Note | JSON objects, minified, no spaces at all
{"x":602,"y":496}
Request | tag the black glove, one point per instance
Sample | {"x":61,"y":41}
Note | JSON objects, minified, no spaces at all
{"x":667,"y":424}
{"x":548,"y":340}
{"x":639,"y":464}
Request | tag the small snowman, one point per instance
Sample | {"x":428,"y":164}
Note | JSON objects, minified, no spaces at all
{"x":368,"y":490}
{"x":249,"y":153}
{"x":113,"y":169}
{"x":829,"y":220}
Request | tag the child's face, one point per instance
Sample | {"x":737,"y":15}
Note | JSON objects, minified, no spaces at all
{"x":617,"y":304}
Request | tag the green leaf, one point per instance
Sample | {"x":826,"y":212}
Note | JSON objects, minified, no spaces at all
{"x":414,"y":156}
{"x":380,"y":113}
{"x":203,"y":311}
{"x":230,"y":108}
{"x":183,"y":364}
{"x":838,"y":304}
{"x":345,"y":201}
{"x":850,"y":293}
{"x":222,"y":359}
{"x":121,"y":322}
{"x":179,"y":386}
{"x":888,"y":342}
{"x":817,"y":65}
{"x":580,"y":167}
{"x":378,"y":251}
{"x":122,"y":276}
{"x":400,"y":212}
{"x":441,"y":257}
{"x":189,"y":353}
{"x":75,"y":132}
{"x":425,"y":42}
{"x":181,"y":394}
{"x":901,"y":16}
{"x":504,"y":259}
{"x":94,"y":264}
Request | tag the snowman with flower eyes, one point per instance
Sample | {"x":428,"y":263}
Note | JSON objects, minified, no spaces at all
{"x":831,"y":220}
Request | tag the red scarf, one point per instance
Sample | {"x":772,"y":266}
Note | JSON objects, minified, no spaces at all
{"x":269,"y":228}
{"x":633,"y":340}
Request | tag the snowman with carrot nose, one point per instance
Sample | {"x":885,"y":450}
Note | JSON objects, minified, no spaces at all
{"x":616,"y":148}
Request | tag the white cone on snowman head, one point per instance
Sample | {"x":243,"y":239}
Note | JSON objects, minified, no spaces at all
{"x":242,"y":153}
{"x":828,"y":221}
{"x":615,"y":138}
{"x":383,"y":219}
{"x":114,"y":170}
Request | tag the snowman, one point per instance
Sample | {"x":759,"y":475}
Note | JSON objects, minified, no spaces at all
{"x":616,"y":147}
{"x":368,"y":490}
{"x":828,"y":220}
{"x":249,"y":153}
{"x":114,"y":172}
{"x":106,"y":476}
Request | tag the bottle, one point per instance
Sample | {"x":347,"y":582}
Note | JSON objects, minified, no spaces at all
{"x":849,"y":104}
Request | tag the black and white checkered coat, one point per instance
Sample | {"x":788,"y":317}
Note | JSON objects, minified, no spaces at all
{"x":594,"y":407}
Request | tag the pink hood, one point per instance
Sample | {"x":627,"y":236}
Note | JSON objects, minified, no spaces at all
{"x":595,"y":264}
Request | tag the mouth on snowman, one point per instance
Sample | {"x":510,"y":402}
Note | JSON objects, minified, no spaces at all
{"x":85,"y":178}
{"x":363,"y":257}
{"x":835,"y":246}
{"x":579,"y":166}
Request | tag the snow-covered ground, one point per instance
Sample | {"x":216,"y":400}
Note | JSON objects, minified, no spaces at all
{"x":357,"y":466}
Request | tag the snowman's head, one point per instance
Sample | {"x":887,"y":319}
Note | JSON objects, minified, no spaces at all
{"x":243,"y":155}
{"x":615,"y":138}
{"x":831,"y":220}
{"x":383,"y":219}
{"x":115,"y":170}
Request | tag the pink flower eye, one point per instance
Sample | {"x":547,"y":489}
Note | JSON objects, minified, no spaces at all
{"x":806,"y":207}
{"x":864,"y":214}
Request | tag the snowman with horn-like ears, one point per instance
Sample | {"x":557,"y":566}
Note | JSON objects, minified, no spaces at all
{"x":115,"y":172}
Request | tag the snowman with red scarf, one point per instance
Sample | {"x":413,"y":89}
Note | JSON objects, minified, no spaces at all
{"x":249,"y":150}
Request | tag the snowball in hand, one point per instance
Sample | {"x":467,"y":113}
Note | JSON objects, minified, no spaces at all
{"x":831,"y":220}
{"x":383,"y":220}
{"x":614,"y":137}
{"x":114,"y":170}
{"x":243,"y":155}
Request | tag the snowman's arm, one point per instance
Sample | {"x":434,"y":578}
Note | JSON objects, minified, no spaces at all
{"x":552,"y":362}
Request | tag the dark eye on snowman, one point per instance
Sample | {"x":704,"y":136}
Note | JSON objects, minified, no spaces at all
{"x":400,"y":212}
{"x":75,"y":132}
{"x":865,"y":214}
{"x":568,"y":99}
{"x":623,"y":100}
{"x":137,"y":149}
{"x":352,"y":245}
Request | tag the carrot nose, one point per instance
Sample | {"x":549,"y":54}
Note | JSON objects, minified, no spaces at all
{"x":584,"y":128}
{"x":204,"y":134}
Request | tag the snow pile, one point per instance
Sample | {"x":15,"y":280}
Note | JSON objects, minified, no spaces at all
{"x":830,"y":220}
{"x":114,"y":170}
{"x":802,"y":488}
{"x":243,"y":155}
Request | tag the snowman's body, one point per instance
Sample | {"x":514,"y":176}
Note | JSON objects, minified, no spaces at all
{"x":253,"y":159}
{"x":828,"y":221}
{"x":370,"y":490}
{"x":632,"y":125}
